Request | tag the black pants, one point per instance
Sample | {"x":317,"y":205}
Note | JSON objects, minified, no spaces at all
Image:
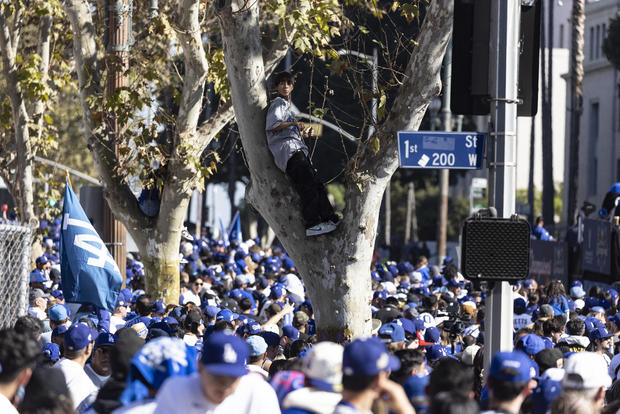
{"x":315,"y":206}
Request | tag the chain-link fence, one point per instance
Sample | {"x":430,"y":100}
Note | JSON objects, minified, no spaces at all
{"x":15,"y":244}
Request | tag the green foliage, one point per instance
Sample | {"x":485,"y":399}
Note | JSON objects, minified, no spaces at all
{"x":557,"y":201}
{"x":316,"y":23}
{"x":337,"y":191}
{"x":611,"y":43}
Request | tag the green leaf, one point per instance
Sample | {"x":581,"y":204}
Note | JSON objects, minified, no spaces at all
{"x":375,"y":144}
{"x":48,"y":119}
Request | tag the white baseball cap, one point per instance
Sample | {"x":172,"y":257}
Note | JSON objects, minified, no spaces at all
{"x":322,"y":366}
{"x":585,"y":370}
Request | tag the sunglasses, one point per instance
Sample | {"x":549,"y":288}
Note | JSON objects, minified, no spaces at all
{"x":198,"y":284}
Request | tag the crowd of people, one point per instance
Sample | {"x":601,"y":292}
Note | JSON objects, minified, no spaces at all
{"x":242,"y":339}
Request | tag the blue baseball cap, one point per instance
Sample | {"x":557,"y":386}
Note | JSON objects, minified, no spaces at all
{"x":392,"y":332}
{"x":291,"y":332}
{"x":272,"y":339}
{"x":257,"y":345}
{"x":37,"y":277}
{"x":519,"y":303}
{"x":170,"y":320}
{"x":225,"y":354}
{"x":158,"y":307}
{"x":432,"y":334}
{"x":57,"y":293}
{"x":454,"y":283}
{"x":78,"y":336}
{"x":548,"y":389}
{"x":511,"y":367}
{"x":380,"y":294}
{"x":52,"y":351}
{"x":41,"y":260}
{"x":57,"y":313}
{"x":210,"y":310}
{"x":407,"y":325}
{"x":599,"y":333}
{"x":598,"y":309}
{"x":435,"y":352}
{"x":414,"y":388}
{"x":105,"y":339}
{"x":59,"y":330}
{"x":276,"y":292}
{"x":531,"y":344}
{"x":367,"y":357}
{"x":226,"y":315}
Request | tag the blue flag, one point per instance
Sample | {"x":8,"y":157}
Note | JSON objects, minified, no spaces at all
{"x":89,"y":273}
{"x":234,"y":231}
{"x":224,"y":234}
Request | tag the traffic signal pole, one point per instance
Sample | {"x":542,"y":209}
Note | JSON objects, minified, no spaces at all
{"x":503,"y":78}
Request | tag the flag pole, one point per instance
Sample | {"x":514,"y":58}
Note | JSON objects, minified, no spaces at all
{"x":68,"y":179}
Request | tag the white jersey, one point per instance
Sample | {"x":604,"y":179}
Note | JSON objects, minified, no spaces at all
{"x":79,"y":384}
{"x":184,"y":395}
{"x":521,"y":321}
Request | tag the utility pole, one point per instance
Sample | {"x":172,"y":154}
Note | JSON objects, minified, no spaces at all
{"x":503,"y":77}
{"x":444,"y":174}
{"x":117,"y":42}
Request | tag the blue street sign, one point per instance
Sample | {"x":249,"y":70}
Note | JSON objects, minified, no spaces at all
{"x":434,"y":149}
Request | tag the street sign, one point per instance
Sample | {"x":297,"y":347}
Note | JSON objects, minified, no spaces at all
{"x":434,"y":149}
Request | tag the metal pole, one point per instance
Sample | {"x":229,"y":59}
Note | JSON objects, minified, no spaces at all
{"x":444,"y":174}
{"x":118,"y":33}
{"x":504,"y":55}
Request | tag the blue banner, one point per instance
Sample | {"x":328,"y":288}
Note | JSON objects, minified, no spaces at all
{"x":234,"y":231}
{"x":224,"y":234}
{"x":89,"y":273}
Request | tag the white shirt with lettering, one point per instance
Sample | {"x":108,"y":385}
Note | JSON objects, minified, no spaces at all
{"x":184,"y":395}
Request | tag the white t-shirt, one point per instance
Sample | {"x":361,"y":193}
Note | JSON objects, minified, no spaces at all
{"x":190,"y":296}
{"x":116,"y":323}
{"x":97,"y":379}
{"x":184,"y":395}
{"x":521,"y":321}
{"x":6,"y":407}
{"x":79,"y":384}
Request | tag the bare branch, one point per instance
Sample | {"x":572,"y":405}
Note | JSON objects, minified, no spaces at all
{"x":16,"y":29}
{"x":196,"y":68}
{"x":420,"y":85}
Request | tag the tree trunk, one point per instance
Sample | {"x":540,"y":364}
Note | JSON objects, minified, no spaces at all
{"x":576,"y":108}
{"x":24,"y":196}
{"x":335,"y":267}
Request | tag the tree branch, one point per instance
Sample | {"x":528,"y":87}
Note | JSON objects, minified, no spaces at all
{"x":421,"y":83}
{"x":274,"y":52}
{"x":121,"y":199}
{"x":43,"y":50}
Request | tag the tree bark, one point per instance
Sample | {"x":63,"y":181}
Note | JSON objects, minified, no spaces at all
{"x":335,"y":267}
{"x":9,"y":40}
{"x":576,"y":108}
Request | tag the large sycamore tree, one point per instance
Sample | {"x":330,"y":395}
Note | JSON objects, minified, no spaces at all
{"x":335,"y":267}
{"x":235,"y":46}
